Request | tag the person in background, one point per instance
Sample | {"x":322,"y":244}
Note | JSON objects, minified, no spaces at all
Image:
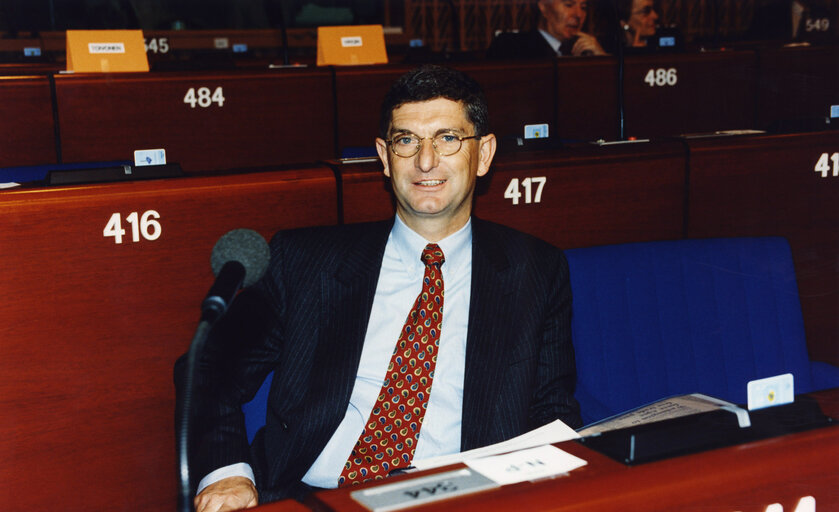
{"x":638,"y":21}
{"x":559,"y":34}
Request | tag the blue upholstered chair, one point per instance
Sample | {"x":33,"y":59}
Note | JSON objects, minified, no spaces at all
{"x":656,"y":319}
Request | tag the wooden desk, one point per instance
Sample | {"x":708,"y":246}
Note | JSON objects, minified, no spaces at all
{"x":796,"y":84}
{"x":27,"y":130}
{"x":592,"y":194}
{"x":587,"y":98}
{"x":91,"y":328}
{"x":258,"y":123}
{"x":766,"y":185}
{"x":671,"y":94}
{"x":747,"y":477}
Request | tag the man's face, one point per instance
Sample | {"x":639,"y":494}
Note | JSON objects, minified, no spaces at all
{"x":430,"y":189}
{"x":563,"y":18}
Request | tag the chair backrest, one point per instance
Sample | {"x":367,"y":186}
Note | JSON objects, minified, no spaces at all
{"x":656,"y":319}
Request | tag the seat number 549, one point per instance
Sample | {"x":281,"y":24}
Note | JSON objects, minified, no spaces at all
{"x":532,"y":189}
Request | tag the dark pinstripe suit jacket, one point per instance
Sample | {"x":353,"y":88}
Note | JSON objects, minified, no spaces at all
{"x":306,"y":321}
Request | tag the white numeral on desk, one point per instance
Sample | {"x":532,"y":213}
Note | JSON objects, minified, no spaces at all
{"x":157,"y":45}
{"x":824,"y":167}
{"x":203,"y":97}
{"x":145,"y":225}
{"x":513,"y":193}
{"x":817,"y":25}
{"x":661,"y":77}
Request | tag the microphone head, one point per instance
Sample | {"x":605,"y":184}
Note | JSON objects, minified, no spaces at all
{"x":245,"y":246}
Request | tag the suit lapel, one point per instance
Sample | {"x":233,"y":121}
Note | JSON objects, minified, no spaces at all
{"x":347,"y":293}
{"x":489,"y":322}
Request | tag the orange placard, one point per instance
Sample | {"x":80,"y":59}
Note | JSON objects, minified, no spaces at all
{"x":351,"y":45}
{"x":106,"y":51}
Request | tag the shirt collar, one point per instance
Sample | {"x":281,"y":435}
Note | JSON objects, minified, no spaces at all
{"x":554,"y":42}
{"x":409,"y":245}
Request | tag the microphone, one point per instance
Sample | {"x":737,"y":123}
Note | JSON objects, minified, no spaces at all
{"x":239,"y":259}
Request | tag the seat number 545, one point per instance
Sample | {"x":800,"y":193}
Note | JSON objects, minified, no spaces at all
{"x":532,"y":189}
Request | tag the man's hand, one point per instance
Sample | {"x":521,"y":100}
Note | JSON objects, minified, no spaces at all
{"x":234,"y":493}
{"x":587,"y":45}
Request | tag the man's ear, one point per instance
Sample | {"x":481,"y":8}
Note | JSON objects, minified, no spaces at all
{"x":381,"y":149}
{"x":486,"y":153}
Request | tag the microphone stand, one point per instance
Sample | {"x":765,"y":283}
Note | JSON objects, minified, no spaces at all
{"x":229,"y":281}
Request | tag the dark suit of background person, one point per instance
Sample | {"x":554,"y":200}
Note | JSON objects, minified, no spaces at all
{"x":523,"y":45}
{"x":561,"y":22}
{"x":306,"y":321}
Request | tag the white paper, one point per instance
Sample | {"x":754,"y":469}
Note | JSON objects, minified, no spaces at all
{"x":526,"y":465}
{"x":554,"y":432}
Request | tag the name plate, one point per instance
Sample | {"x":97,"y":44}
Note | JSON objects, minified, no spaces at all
{"x":351,"y":45}
{"x":106,"y":51}
{"x":418,"y":491}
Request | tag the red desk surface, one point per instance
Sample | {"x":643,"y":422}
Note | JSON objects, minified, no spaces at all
{"x":746,"y":477}
{"x":27,"y":131}
{"x":90,"y":329}
{"x":108,"y":117}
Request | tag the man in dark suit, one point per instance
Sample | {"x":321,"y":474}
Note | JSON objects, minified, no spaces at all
{"x":327,"y":315}
{"x":559,"y":34}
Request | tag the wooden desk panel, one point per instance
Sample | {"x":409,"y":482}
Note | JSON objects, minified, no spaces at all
{"x":587,"y":98}
{"x":709,"y":92}
{"x":259,"y":123}
{"x":27,"y":130}
{"x":518,"y":93}
{"x":92,"y":328}
{"x":592,"y":195}
{"x":767,"y":186}
{"x":359,"y":91}
{"x":366,"y":195}
{"x":796,"y":83}
{"x":747,"y":477}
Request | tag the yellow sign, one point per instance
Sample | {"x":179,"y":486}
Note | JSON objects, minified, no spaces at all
{"x":351,"y":45}
{"x":106,"y":51}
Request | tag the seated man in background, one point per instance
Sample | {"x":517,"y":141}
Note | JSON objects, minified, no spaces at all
{"x":488,"y":324}
{"x":559,"y":33}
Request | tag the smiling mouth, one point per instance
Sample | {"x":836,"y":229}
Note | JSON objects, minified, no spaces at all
{"x":430,"y":183}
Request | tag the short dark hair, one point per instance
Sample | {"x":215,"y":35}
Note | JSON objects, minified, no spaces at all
{"x":429,"y":82}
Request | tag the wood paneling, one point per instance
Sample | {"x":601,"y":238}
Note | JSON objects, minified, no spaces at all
{"x":27,"y":130}
{"x":107,"y":117}
{"x":92,"y":328}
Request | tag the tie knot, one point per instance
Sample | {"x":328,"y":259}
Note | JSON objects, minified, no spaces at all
{"x":432,"y":254}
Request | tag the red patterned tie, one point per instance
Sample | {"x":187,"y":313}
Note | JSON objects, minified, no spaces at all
{"x":389,"y":437}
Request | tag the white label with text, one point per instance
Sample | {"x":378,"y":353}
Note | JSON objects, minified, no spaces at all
{"x":95,"y":48}
{"x":351,"y":42}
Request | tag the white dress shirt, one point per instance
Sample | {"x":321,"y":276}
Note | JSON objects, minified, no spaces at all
{"x":400,"y":281}
{"x":554,"y":42}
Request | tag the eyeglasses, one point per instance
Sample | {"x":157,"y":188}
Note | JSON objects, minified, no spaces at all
{"x":644,"y":11}
{"x":407,"y":145}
